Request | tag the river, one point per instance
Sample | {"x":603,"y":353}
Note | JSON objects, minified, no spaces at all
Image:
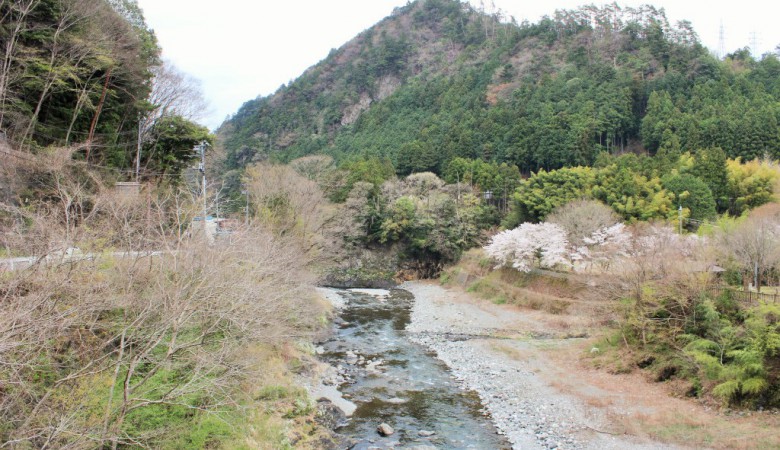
{"x":395,"y":381}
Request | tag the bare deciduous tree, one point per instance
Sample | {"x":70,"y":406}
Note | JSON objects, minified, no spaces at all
{"x":15,"y":21}
{"x":314,"y":168}
{"x":581,"y":218}
{"x":652,"y":269}
{"x":291,"y":204}
{"x":89,"y":343}
{"x":755,"y":246}
{"x":175,"y":93}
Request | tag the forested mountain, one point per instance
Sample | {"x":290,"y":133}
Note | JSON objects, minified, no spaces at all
{"x":438,"y":80}
{"x":128,"y":319}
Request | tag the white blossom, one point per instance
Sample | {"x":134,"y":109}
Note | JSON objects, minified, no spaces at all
{"x":523,"y":246}
{"x":666,"y":237}
{"x":602,"y":246}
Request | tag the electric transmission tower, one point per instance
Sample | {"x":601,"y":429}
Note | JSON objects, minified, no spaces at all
{"x":755,"y":41}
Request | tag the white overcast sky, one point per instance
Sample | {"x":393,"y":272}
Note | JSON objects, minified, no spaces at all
{"x":241,"y":49}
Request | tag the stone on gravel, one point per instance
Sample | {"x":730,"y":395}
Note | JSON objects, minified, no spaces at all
{"x":385,"y":429}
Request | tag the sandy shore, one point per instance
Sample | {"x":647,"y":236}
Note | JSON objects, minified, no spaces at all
{"x":492,"y":350}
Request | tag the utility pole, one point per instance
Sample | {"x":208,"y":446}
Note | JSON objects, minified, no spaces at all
{"x":680,"y":216}
{"x":138,"y":150}
{"x":755,"y":277}
{"x":202,"y":149}
{"x":457,"y":175}
{"x":754,"y":43}
{"x":246,"y":210}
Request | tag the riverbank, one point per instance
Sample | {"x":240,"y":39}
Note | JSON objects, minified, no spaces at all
{"x":541,"y":393}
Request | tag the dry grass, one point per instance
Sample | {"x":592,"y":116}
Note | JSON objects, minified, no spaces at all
{"x":638,"y":407}
{"x":509,"y":286}
{"x":564,"y":305}
{"x":706,"y":429}
{"x":513,"y":352}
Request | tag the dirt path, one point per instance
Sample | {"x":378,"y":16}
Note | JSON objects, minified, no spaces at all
{"x":534,"y":385}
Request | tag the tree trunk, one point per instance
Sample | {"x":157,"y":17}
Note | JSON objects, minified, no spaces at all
{"x":10,"y":49}
{"x":79,"y":104}
{"x":99,"y":108}
{"x":34,"y":119}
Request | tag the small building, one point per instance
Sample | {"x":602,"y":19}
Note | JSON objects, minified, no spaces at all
{"x":128,"y":189}
{"x":215,"y":226}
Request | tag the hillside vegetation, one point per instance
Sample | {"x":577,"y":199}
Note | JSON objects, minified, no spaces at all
{"x":664,"y":387}
{"x":612,"y":104}
{"x":121,"y":324}
{"x":88,"y":73}
{"x":439,"y":80}
{"x":143,"y":333}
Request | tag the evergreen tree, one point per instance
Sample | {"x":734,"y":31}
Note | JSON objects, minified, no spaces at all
{"x":692,"y":194}
{"x":710,"y":167}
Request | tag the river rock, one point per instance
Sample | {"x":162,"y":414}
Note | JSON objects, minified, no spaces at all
{"x":385,"y":429}
{"x":426,"y":433}
{"x":329,"y":415}
{"x":374,"y":366}
{"x":397,"y":401}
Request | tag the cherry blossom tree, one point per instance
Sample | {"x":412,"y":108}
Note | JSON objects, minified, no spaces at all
{"x":528,"y":244}
{"x":603,"y":246}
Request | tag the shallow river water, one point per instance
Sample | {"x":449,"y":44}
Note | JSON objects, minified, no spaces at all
{"x":392,"y":380}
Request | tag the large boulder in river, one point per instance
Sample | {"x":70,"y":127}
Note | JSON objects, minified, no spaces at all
{"x":329,"y":415}
{"x":385,"y":429}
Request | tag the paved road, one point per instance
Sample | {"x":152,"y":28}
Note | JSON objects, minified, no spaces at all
{"x":25,"y":262}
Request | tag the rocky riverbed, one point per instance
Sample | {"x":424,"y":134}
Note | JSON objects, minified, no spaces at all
{"x":438,"y":370}
{"x":394,"y":392}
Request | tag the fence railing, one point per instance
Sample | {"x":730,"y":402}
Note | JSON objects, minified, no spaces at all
{"x":747,"y":296}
